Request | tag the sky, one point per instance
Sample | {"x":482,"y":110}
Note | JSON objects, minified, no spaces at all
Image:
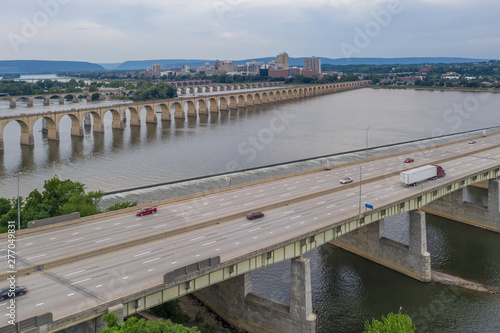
{"x":114,"y":31}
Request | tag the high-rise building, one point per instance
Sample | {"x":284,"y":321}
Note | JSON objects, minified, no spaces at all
{"x":282,"y":61}
{"x":313,"y":63}
{"x":156,"y":68}
{"x":226,"y":66}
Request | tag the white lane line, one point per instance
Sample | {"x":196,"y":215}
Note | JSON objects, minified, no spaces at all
{"x":207,"y":214}
{"x":295,"y":217}
{"x":76,"y":233}
{"x":197,"y":238}
{"x":245,"y":224}
{"x":319,"y":203}
{"x":74,"y":273}
{"x":260,"y":195}
{"x":247,"y":204}
{"x":41,"y":255}
{"x":71,"y":294}
{"x":125,"y":277}
{"x":236,"y":243}
{"x":99,"y":286}
{"x":256,"y":237}
{"x":315,"y":187}
{"x":102,"y":240}
{"x":141,"y":254}
{"x":74,"y":240}
{"x":253,"y":229}
{"x":81,"y":281}
{"x":40,"y":304}
{"x":28,"y":244}
{"x":284,"y":195}
{"x":225,"y":203}
{"x":52,"y":238}
{"x":159,"y":226}
{"x":290,"y":211}
{"x":97,"y":228}
{"x":350,"y":194}
{"x":133,"y":226}
{"x":118,"y":223}
{"x":209,"y":243}
{"x":145,"y":262}
{"x":150,"y":270}
{"x":173,"y":263}
{"x":331,"y":206}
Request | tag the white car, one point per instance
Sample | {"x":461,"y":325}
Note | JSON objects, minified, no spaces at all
{"x":346,"y":180}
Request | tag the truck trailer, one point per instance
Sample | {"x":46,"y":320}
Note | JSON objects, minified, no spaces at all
{"x":414,"y":176}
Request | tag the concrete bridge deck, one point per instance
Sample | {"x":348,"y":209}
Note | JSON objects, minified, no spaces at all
{"x":302,"y":213}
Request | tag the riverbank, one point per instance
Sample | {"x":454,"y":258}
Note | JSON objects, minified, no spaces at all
{"x":461,"y":89}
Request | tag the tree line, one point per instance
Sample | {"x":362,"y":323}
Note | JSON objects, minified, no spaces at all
{"x":59,"y":197}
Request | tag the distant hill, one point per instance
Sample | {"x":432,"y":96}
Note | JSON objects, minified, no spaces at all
{"x":56,"y":67}
{"x":46,"y":67}
{"x":299,"y":61}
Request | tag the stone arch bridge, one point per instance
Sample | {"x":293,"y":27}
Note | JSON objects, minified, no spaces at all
{"x":176,"y":108}
{"x":47,"y":97}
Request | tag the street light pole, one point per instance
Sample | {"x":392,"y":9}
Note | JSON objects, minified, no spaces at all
{"x":18,"y":205}
{"x":360,"y":174}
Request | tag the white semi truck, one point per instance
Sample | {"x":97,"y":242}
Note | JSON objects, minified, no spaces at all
{"x":414,"y":176}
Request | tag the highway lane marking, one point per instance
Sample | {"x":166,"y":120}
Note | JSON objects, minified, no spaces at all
{"x":236,"y":243}
{"x":76,"y":233}
{"x":245,"y":224}
{"x":197,"y":238}
{"x":159,"y":226}
{"x":102,"y":240}
{"x":290,"y":211}
{"x":319,"y":203}
{"x":313,"y":188}
{"x":247,"y":204}
{"x":150,"y":270}
{"x":133,"y":226}
{"x":225,"y":203}
{"x":28,"y":244}
{"x":71,"y":294}
{"x":256,"y":237}
{"x":74,"y":273}
{"x":207,"y":214}
{"x":141,"y":254}
{"x":81,"y":281}
{"x":41,"y":255}
{"x":331,"y":206}
{"x":350,"y":194}
{"x":98,"y":228}
{"x":209,"y":243}
{"x":40,"y":304}
{"x":99,"y":286}
{"x":295,"y":217}
{"x":74,"y":240}
{"x":254,"y":229}
{"x":125,"y":277}
{"x":284,"y":195}
{"x":150,"y":260}
{"x":260,"y":195}
{"x":173,"y":263}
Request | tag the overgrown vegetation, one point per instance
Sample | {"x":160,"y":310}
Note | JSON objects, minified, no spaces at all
{"x":59,"y":197}
{"x":133,"y":325}
{"x":393,"y":323}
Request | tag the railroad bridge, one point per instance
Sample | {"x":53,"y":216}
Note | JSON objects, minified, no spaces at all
{"x":179,"y":107}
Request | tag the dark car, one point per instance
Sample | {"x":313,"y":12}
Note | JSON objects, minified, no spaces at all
{"x":254,"y":215}
{"x":409,"y":160}
{"x":8,"y":293}
{"x":145,"y":211}
{"x":472,"y":141}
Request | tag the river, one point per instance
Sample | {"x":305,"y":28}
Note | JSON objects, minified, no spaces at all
{"x":347,"y":290}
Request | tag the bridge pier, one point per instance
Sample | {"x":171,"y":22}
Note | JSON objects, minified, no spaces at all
{"x":30,"y":102}
{"x":412,"y":259}
{"x":233,"y":301}
{"x":455,"y":207}
{"x":12,"y":103}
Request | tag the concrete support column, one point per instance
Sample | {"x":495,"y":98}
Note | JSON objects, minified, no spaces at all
{"x":412,"y":260}
{"x":75,"y":131}
{"x":493,"y":197}
{"x":151,"y":118}
{"x":30,"y":101}
{"x":27,"y":138}
{"x":46,"y":101}
{"x":233,"y":301}
{"x":75,"y":99}
{"x":61,"y":100}
{"x":454,"y":207}
{"x":1,"y":144}
{"x":12,"y":103}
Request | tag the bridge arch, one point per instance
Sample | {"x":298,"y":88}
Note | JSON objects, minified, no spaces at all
{"x":178,"y":110}
{"x":191,"y":108}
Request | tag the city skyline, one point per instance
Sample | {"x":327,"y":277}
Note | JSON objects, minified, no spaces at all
{"x":117,"y":31}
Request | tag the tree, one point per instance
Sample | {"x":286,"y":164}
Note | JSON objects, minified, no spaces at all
{"x":145,"y":326}
{"x":393,"y":323}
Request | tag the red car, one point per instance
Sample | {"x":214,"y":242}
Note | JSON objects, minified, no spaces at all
{"x":409,"y":160}
{"x":254,"y":215}
{"x":145,"y":211}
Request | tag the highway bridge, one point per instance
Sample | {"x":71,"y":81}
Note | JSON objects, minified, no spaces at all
{"x":192,"y":106}
{"x":78,"y":270}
